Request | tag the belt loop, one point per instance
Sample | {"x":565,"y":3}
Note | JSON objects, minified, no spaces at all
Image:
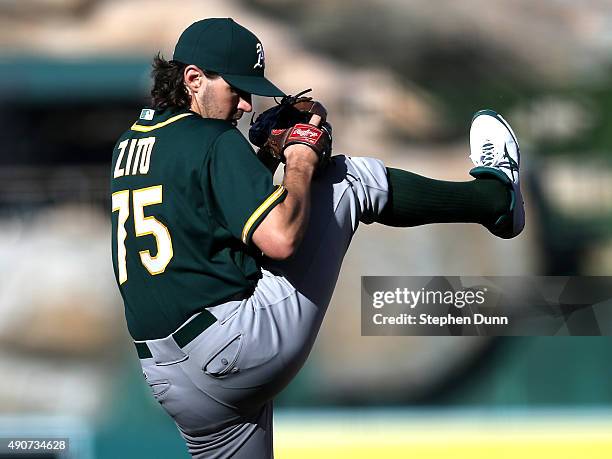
{"x":165,"y":351}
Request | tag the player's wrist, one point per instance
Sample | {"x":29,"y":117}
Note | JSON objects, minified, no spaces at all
{"x":302,"y":156}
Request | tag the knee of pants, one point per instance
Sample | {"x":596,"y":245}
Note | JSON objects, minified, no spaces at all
{"x":369,"y":183}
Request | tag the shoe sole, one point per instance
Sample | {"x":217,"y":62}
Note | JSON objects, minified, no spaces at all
{"x":499,"y":118}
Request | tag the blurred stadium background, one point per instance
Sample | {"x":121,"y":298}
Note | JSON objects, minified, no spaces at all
{"x":401,"y":80}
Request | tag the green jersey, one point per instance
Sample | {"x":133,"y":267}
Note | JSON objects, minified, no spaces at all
{"x":187,"y":195}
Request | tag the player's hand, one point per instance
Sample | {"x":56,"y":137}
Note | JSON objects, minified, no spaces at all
{"x":315,"y":120}
{"x":304,"y":152}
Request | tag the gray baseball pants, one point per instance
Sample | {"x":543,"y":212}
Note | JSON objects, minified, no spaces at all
{"x":219,"y":388}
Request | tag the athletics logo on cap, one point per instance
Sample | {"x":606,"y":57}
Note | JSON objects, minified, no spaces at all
{"x":261,"y":62}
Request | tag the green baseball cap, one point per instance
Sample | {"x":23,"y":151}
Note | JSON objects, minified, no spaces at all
{"x":222,"y":46}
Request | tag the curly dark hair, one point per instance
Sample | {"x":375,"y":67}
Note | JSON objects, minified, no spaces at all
{"x":168,"y":84}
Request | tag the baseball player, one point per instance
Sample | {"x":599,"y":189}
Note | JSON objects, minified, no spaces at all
{"x":225,"y":277}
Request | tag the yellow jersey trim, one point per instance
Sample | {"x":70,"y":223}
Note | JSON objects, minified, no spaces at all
{"x":140,"y":128}
{"x":260,"y":210}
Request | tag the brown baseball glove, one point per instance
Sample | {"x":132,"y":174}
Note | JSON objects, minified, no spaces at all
{"x":287,"y":124}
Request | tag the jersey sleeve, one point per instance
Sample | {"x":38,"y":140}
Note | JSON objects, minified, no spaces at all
{"x":241,"y":185}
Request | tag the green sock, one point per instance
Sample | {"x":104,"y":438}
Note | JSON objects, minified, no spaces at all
{"x":416,"y":200}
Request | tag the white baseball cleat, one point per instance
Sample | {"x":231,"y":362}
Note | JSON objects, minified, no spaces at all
{"x":495,"y":152}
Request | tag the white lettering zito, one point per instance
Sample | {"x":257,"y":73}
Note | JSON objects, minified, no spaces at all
{"x":138,"y":158}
